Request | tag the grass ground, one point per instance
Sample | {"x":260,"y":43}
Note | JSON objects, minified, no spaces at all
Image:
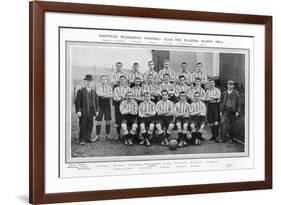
{"x":105,"y":147}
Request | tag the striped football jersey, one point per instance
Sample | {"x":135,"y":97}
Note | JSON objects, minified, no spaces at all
{"x":147,"y":108}
{"x":137,"y":92}
{"x":167,"y":86}
{"x":120,"y":92}
{"x":213,"y":94}
{"x":104,"y":90}
{"x":169,"y":71}
{"x":199,"y":90}
{"x":116,"y":75}
{"x":186,"y":74}
{"x":182,"y":88}
{"x":199,"y":74}
{"x":129,"y":107}
{"x":153,"y":73}
{"x":133,"y":75}
{"x":182,"y":108}
{"x":198,"y":108}
{"x":165,"y":106}
{"x":152,"y":88}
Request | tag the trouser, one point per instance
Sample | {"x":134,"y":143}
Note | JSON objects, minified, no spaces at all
{"x":227,"y":124}
{"x":86,"y":124}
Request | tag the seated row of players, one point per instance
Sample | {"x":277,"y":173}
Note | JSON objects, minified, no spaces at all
{"x":156,"y":77}
{"x":160,"y":119}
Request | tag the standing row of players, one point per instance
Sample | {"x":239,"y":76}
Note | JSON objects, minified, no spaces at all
{"x":159,"y":77}
{"x":153,"y":104}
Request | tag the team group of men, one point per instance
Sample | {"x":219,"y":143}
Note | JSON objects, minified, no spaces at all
{"x":152,"y":105}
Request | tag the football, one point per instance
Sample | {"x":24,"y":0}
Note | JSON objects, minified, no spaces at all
{"x":173,"y":144}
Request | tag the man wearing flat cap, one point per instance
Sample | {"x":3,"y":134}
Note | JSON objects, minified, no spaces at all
{"x":86,"y":108}
{"x":229,"y":111}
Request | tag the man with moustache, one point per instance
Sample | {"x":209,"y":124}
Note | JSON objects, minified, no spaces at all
{"x":184,"y":72}
{"x":167,"y":70}
{"x":152,"y":72}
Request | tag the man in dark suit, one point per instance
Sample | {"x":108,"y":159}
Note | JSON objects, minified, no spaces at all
{"x":229,"y":111}
{"x":86,"y":108}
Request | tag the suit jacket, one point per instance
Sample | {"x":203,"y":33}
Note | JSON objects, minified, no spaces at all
{"x":88,"y":106}
{"x":234,"y":95}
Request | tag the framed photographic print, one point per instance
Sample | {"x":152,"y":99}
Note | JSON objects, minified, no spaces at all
{"x":139,"y":102}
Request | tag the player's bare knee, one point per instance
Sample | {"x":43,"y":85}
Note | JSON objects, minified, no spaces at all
{"x":142,"y":126}
{"x":171,"y":126}
{"x":124,"y":126}
{"x":202,"y":125}
{"x":134,"y":126}
{"x":158,"y":126}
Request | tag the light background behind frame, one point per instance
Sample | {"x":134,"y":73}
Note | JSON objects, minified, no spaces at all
{"x":53,"y":184}
{"x":14,"y":45}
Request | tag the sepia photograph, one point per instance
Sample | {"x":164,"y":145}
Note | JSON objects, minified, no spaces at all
{"x":140,"y":100}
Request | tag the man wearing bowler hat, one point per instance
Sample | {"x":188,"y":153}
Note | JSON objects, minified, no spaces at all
{"x":229,"y":110}
{"x":86,"y":105}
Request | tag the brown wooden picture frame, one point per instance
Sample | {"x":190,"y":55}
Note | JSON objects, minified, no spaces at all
{"x":37,"y":97}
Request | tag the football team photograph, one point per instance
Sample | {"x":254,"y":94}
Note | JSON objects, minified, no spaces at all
{"x":140,"y":101}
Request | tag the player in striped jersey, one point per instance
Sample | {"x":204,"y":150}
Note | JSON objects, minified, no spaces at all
{"x":151,"y":87}
{"x":119,"y":94}
{"x":182,"y":110}
{"x":167,"y":69}
{"x":198,"y":73}
{"x":129,"y":112}
{"x":137,"y":90}
{"x":213,"y":95}
{"x":164,"y":125}
{"x":197,"y":115}
{"x":147,"y":111}
{"x":116,"y":75}
{"x":182,"y":87}
{"x":104,"y":92}
{"x":184,"y":72}
{"x":152,"y":72}
{"x":167,"y":85}
{"x":197,"y":88}
{"x":134,"y":74}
